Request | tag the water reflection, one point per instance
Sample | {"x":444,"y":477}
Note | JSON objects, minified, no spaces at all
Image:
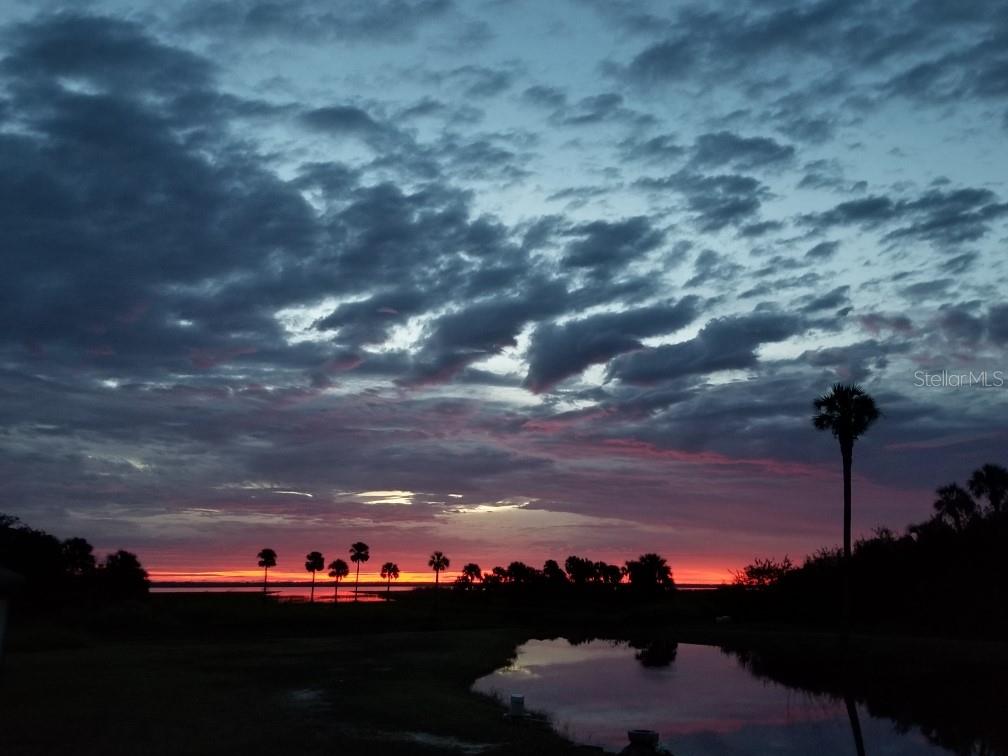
{"x":702,"y":700}
{"x":323,"y":594}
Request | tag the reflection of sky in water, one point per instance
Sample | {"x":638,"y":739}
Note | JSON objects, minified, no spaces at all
{"x":703,"y":703}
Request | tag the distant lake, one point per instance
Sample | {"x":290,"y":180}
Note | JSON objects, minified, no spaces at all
{"x":701,"y":700}
{"x":323,"y":591}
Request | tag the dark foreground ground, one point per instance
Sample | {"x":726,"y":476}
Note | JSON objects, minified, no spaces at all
{"x":238,"y":674}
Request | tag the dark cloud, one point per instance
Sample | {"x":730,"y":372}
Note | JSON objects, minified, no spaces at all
{"x":662,"y":148}
{"x":559,"y":351}
{"x":831,"y":300}
{"x":876,"y":322}
{"x":479,"y":81}
{"x":927,"y":289}
{"x":717,"y":200}
{"x":947,"y":217}
{"x":348,"y":120}
{"x":964,"y":59}
{"x":855,"y":362}
{"x":603,"y":244}
{"x":723,"y":344}
{"x":823,"y":250}
{"x":711,"y":267}
{"x":997,"y":323}
{"x":762,"y":228}
{"x":959,"y":264}
{"x":959,"y":323}
{"x":722,"y":148}
{"x":483,"y":329}
{"x":579,"y":196}
{"x":302,"y":20}
{"x":545,"y":96}
{"x":595,"y":109}
{"x":812,"y":129}
{"x":109,"y":53}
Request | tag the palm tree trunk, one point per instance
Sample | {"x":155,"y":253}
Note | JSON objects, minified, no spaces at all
{"x":265,"y":575}
{"x":313,"y":586}
{"x":855,"y":724}
{"x":847,"y":451}
{"x":388,"y":585}
{"x":356,"y":582}
{"x":335,"y":593}
{"x":437,"y":577}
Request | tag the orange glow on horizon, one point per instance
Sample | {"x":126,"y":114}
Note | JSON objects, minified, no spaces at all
{"x":684,"y":576}
{"x":285,"y":576}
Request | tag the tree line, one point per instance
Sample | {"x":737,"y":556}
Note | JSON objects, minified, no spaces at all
{"x":54,"y":567}
{"x":947,"y":573}
{"x":649,"y":573}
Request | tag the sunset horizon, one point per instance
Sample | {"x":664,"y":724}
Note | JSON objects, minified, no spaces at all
{"x":669,"y":341}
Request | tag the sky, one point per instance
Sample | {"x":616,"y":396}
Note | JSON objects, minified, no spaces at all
{"x":507,"y":279}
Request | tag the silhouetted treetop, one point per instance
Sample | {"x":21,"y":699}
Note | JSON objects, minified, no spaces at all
{"x":990,"y":482}
{"x":846,"y":411}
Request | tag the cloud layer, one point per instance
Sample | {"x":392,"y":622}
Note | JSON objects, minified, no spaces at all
{"x":548,"y":280}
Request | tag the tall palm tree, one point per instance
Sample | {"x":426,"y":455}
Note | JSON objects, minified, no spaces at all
{"x":267,"y":559}
{"x":991,"y":481}
{"x":338,"y":569}
{"x":359,"y":552}
{"x":438,"y":561}
{"x":389,"y":571}
{"x":847,"y":411}
{"x":314,"y":561}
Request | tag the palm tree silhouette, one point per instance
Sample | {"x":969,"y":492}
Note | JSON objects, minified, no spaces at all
{"x":847,"y":411}
{"x":438,"y":561}
{"x":389,"y":571}
{"x":990,"y":481}
{"x":649,"y":573}
{"x":955,"y":506}
{"x":472,"y":573}
{"x":314,"y":561}
{"x":359,"y":552}
{"x":267,"y":559}
{"x":338,"y":569}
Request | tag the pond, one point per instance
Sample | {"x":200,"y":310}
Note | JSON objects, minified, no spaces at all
{"x":701,"y":700}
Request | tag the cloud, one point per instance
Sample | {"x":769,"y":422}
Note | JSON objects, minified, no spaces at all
{"x":595,"y":109}
{"x":945,"y":217}
{"x":717,"y":201}
{"x":823,"y":250}
{"x":721,"y":148}
{"x":545,"y":96}
{"x":831,"y":300}
{"x":958,"y":323}
{"x":997,"y":323}
{"x":728,"y":343}
{"x":559,"y":351}
{"x":710,"y":266}
{"x":855,"y":362}
{"x":109,"y":53}
{"x":479,"y":81}
{"x":301,"y":20}
{"x":604,"y":244}
{"x":350,"y":120}
{"x":661,"y":148}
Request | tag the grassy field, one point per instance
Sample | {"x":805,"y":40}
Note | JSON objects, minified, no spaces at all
{"x":235,"y":674}
{"x":230,"y":674}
